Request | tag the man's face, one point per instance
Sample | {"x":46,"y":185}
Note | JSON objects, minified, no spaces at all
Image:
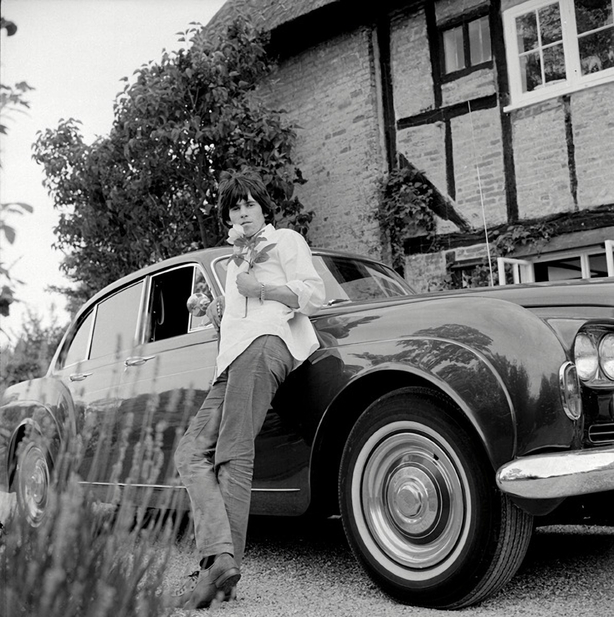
{"x":247,"y":213}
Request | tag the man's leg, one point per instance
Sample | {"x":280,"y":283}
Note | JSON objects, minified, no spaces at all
{"x":194,"y":459}
{"x":253,"y":380}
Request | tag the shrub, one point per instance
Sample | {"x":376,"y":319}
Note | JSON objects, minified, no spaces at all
{"x":86,"y":559}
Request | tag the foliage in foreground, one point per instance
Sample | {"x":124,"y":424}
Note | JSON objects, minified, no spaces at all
{"x":77,"y":564}
{"x":88,"y":559}
{"x":144,"y":193}
{"x":13,"y":101}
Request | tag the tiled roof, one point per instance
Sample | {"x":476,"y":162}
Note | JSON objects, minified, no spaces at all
{"x":265,"y":14}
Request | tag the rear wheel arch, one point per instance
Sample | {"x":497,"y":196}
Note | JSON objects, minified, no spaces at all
{"x":31,"y":427}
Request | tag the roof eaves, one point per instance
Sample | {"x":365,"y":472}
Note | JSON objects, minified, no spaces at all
{"x":266,"y":15}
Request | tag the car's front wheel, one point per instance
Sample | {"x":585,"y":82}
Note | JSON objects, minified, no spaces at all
{"x":420,"y":507}
{"x":33,"y":481}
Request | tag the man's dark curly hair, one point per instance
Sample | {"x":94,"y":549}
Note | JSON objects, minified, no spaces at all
{"x":235,"y":186}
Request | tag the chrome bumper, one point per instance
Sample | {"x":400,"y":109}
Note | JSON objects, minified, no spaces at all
{"x":560,"y":474}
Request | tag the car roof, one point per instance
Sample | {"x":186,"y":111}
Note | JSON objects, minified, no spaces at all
{"x":206,"y":256}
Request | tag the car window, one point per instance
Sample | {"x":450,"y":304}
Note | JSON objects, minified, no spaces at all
{"x":116,"y":322}
{"x":77,"y":350}
{"x":199,"y":285}
{"x":348,"y":279}
{"x":168,"y":312}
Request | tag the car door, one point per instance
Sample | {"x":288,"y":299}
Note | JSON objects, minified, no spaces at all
{"x":166,"y":377}
{"x":91,"y":366}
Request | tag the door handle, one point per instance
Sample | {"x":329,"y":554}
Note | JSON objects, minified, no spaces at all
{"x":137,"y":360}
{"x":79,"y":376}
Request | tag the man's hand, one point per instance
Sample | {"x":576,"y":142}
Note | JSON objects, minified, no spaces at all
{"x":248,"y":285}
{"x":215,"y":311}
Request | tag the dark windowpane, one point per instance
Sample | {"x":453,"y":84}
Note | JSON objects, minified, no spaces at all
{"x":479,"y":40}
{"x":453,"y":50}
{"x":554,"y":63}
{"x":168,"y":311}
{"x":116,"y":321}
{"x":598,"y":266}
{"x":564,"y":269}
{"x":593,"y":14}
{"x":597,"y":51}
{"x":550,"y":24}
{"x":531,"y":71}
{"x":526,"y":32}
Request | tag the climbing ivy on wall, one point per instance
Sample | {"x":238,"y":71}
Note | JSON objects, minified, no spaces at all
{"x":404,"y":210}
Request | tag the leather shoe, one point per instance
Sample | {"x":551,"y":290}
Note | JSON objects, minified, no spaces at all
{"x":215,"y":583}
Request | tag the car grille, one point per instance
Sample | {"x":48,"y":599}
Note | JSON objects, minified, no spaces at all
{"x":601,"y":433}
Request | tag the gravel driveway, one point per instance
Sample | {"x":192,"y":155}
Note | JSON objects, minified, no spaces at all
{"x":292,"y":568}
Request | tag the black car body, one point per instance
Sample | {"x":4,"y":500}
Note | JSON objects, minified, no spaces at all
{"x":439,"y":425}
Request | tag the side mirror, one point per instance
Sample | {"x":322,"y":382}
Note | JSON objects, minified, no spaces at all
{"x":197,"y":304}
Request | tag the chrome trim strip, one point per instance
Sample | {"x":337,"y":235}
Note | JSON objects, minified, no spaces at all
{"x":169,"y":486}
{"x":276,"y":490}
{"x":559,"y":474}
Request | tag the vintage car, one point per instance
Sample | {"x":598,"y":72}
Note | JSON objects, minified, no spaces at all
{"x":440,"y":426}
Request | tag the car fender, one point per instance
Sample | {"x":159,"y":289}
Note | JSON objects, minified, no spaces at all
{"x":497,"y":361}
{"x":497,"y":431}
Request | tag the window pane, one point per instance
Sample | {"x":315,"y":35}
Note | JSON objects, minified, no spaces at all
{"x":597,"y":51}
{"x":479,"y":41}
{"x":554,"y":63}
{"x":78,"y":348}
{"x":598,"y":265}
{"x":593,"y":14}
{"x":531,"y":72}
{"x":565,"y":269}
{"x":168,"y":310}
{"x":200,"y":286}
{"x":550,"y":24}
{"x":353,"y":280}
{"x":453,"y":50}
{"x":116,"y":321}
{"x":526,"y":32}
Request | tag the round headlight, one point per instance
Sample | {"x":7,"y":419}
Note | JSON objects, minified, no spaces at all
{"x":585,"y":356}
{"x":606,"y":355}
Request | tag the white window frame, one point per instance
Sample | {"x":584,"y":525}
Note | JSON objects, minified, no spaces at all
{"x":523,"y":270}
{"x":575,"y":80}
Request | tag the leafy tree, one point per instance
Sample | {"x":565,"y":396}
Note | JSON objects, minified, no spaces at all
{"x":144,"y":193}
{"x":31,"y":354}
{"x":12,"y":100}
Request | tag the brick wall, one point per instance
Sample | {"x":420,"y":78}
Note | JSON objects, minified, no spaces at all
{"x":424,"y":147}
{"x":425,"y":272}
{"x":540,"y":157}
{"x":410,"y":64}
{"x":333,"y":92}
{"x":479,"y":83}
{"x":478,"y":167}
{"x":329,"y":91}
{"x":449,"y":9}
{"x":592,"y":113}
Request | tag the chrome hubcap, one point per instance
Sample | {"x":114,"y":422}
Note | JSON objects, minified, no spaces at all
{"x":34,"y":481}
{"x":413,"y":495}
{"x":411,"y":498}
